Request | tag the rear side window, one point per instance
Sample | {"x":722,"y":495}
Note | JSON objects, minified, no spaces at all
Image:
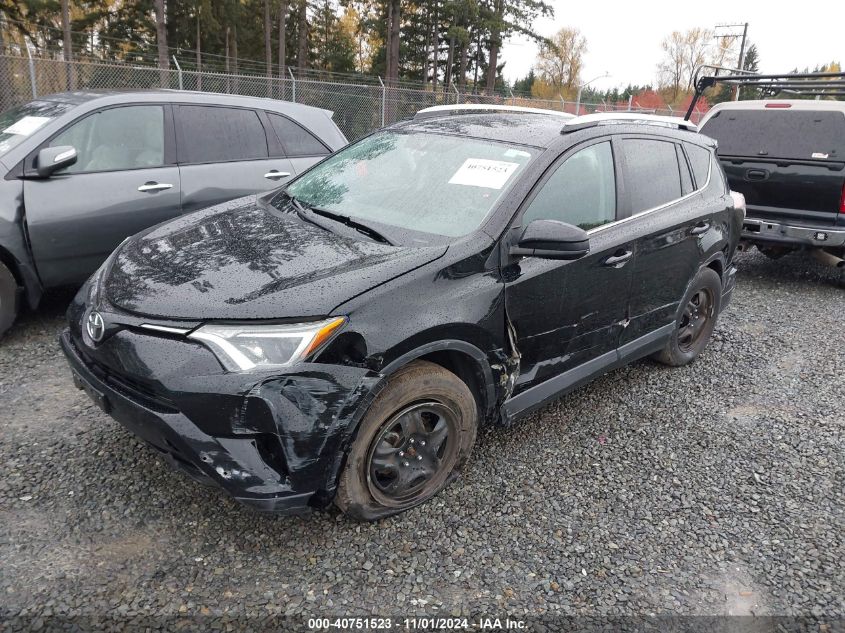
{"x":212,"y":134}
{"x":581,"y":191}
{"x":779,"y":133}
{"x":296,"y":140}
{"x":653,"y":177}
{"x":700,"y":160}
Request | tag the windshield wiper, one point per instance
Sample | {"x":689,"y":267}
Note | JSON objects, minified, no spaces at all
{"x":303,"y":212}
{"x":298,"y":206}
{"x":351,"y":223}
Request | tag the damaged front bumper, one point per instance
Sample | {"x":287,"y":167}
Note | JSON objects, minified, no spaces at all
{"x":274,"y":442}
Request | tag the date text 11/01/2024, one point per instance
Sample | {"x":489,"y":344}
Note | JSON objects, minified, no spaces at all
{"x":416,"y":623}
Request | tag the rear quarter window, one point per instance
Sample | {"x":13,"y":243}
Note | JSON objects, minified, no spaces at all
{"x":699,"y":159}
{"x":296,"y":140}
{"x":779,"y":133}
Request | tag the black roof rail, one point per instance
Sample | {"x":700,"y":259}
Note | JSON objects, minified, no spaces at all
{"x":827,"y":84}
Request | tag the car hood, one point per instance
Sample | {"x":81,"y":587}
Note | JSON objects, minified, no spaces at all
{"x":247,"y":260}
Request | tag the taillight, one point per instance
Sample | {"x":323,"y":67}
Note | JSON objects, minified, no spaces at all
{"x":842,"y":201}
{"x":778,"y":105}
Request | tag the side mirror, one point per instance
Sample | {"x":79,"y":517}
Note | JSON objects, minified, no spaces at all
{"x":551,"y":239}
{"x":52,"y":159}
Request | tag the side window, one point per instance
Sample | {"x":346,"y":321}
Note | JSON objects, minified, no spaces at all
{"x":686,"y":181}
{"x":208,"y":134}
{"x":700,"y":159}
{"x":129,"y":137}
{"x":581,"y":191}
{"x":653,"y":177}
{"x":296,"y":140}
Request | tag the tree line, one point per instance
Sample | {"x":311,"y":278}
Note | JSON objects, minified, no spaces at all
{"x":439,"y":43}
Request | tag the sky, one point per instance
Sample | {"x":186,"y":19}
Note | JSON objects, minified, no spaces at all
{"x":623,"y":38}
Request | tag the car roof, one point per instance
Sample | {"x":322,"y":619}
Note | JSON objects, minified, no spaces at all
{"x":523,"y":128}
{"x":80,"y":97}
{"x":485,"y":108}
{"x":537,"y":130}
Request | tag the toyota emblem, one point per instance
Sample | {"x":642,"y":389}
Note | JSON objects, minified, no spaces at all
{"x":95,"y":326}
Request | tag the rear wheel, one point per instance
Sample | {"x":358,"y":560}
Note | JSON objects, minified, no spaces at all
{"x":417,"y":434}
{"x":700,"y":308}
{"x":8,"y":299}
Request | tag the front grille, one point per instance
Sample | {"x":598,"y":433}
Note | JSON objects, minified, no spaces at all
{"x":131,"y":389}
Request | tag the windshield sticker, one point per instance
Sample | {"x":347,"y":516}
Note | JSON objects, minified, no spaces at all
{"x":26,"y":125}
{"x":820,"y":155}
{"x":480,"y":172}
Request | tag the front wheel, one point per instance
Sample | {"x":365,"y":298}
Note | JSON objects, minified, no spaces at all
{"x":700,"y":308}
{"x":418,"y":432}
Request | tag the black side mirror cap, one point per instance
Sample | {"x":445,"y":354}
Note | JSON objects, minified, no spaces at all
{"x":51,"y":159}
{"x":550,"y":239}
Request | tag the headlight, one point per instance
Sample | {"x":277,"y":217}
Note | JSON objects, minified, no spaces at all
{"x":246,"y":347}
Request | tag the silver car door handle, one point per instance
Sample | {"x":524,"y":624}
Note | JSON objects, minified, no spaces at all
{"x":154,"y":186}
{"x":275,"y":175}
{"x":618,"y":261}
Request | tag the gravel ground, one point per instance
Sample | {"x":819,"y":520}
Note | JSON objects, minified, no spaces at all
{"x":712,"y":489}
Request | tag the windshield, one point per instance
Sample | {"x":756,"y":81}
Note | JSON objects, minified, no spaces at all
{"x":20,"y":122}
{"x":428,"y":183}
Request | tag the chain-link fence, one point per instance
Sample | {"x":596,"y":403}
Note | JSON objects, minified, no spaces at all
{"x":358,"y":108}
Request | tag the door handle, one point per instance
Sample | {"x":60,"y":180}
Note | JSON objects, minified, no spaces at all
{"x":276,"y":175}
{"x":618,"y":261}
{"x":152,"y":187}
{"x":701,"y":227}
{"x":756,"y":174}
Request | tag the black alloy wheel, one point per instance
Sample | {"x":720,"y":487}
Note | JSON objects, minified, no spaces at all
{"x":699,"y":310}
{"x":413,"y":441}
{"x":693,"y":324}
{"x":413,"y":453}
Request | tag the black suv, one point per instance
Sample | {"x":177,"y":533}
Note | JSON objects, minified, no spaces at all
{"x":342,"y":338}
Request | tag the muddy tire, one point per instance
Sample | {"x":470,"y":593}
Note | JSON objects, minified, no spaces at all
{"x":411,"y":444}
{"x":8,"y":299}
{"x":698,"y":313}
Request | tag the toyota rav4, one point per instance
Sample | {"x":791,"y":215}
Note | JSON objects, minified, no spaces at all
{"x":341,"y":339}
